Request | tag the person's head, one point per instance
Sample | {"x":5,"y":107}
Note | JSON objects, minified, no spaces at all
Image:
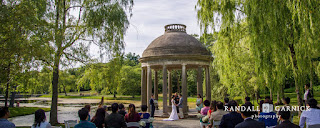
{"x":199,"y":96}
{"x":121,"y":107}
{"x":152,"y":96}
{"x":232,"y":104}
{"x":39,"y":116}
{"x":176,"y":94}
{"x":286,"y":100}
{"x":83,"y":114}
{"x":173,"y":97}
{"x":284,"y":115}
{"x":247,"y":99}
{"x":88,"y":107}
{"x":247,"y":111}
{"x":213,"y":105}
{"x":132,"y":111}
{"x":144,"y":108}
{"x":220,"y":105}
{"x":206,"y":103}
{"x":114,"y":107}
{"x":267,"y":98}
{"x":105,"y":107}
{"x":226,"y":100}
{"x":4,"y":112}
{"x":307,"y":86}
{"x":180,"y":95}
{"x":312,"y":103}
{"x":100,"y":114}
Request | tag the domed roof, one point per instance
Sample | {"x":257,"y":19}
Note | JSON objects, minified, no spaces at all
{"x":175,"y":41}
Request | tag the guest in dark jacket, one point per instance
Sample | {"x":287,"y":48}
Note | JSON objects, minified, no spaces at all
{"x":247,"y":116}
{"x":132,"y":115}
{"x":231,"y":119}
{"x":98,"y":119}
{"x":115,"y":120}
{"x":284,"y":118}
{"x":122,"y":110}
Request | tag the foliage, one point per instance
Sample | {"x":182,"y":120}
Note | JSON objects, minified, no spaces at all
{"x":21,"y":111}
{"x":262,"y":43}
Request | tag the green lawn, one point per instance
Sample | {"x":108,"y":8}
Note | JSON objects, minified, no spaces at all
{"x":20,"y":111}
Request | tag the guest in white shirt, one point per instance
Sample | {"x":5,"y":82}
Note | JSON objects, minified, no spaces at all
{"x":311,"y":116}
{"x":40,"y":120}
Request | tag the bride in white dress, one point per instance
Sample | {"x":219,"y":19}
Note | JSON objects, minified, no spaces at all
{"x":174,"y":114}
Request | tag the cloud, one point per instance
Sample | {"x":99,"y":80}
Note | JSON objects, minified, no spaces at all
{"x":150,"y":17}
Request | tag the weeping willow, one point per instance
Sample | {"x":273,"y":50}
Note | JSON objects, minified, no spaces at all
{"x":261,"y":41}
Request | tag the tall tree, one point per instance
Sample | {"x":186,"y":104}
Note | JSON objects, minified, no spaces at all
{"x":280,"y":33}
{"x":75,"y":25}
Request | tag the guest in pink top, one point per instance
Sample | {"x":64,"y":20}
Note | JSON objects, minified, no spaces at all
{"x":204,"y":111}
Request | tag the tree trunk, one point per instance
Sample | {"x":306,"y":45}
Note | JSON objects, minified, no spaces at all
{"x":271,"y":98}
{"x":13,"y":95}
{"x":278,"y":97}
{"x":54,"y":102}
{"x":8,"y":85}
{"x":64,"y":89}
{"x":295,"y":75}
{"x":257,"y":96}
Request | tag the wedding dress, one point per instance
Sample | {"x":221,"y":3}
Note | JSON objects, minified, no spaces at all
{"x":174,"y":114}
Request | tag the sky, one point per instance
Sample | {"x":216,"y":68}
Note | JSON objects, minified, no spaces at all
{"x":150,"y":16}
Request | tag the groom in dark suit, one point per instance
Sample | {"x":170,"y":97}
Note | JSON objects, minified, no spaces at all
{"x":176,"y":100}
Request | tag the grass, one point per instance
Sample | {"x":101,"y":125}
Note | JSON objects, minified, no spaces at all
{"x":21,"y":111}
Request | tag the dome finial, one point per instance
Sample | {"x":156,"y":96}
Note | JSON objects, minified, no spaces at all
{"x":175,"y":28}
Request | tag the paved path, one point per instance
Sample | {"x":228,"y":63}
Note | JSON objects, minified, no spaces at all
{"x":181,"y":123}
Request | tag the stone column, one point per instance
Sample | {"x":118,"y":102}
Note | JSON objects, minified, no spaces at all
{"x":156,"y":87}
{"x":164,"y":92}
{"x":149,"y":86}
{"x":208,"y":86}
{"x":169,"y":87}
{"x":199,"y":81}
{"x":143,"y":87}
{"x":184,"y":90}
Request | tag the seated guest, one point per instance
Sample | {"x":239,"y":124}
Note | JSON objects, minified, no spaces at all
{"x":132,"y":115}
{"x":106,"y":109}
{"x":84,"y":123}
{"x":311,"y":117}
{"x":231,"y":119}
{"x":144,"y":114}
{"x":206,"y":108}
{"x":88,"y":107}
{"x":260,"y":106}
{"x":226,"y":101}
{"x":286,"y":101}
{"x":99,"y":118}
{"x":247,"y":116}
{"x":4,"y":115}
{"x":199,"y":103}
{"x":285,"y":122}
{"x":213,"y":107}
{"x":115,"y":120}
{"x":40,"y":120}
{"x":272,"y":120}
{"x":247,"y":99}
{"x":217,"y":115}
{"x":122,"y":110}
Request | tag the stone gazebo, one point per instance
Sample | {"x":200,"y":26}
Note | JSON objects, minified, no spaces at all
{"x":174,"y":50}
